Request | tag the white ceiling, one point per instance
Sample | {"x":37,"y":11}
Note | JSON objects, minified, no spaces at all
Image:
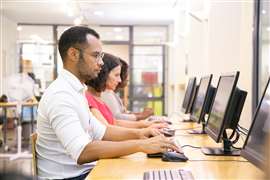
{"x":120,"y":12}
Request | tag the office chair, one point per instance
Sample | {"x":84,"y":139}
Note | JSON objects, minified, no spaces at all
{"x":34,"y":159}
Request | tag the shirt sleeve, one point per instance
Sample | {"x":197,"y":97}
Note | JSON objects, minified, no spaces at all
{"x":66,"y":124}
{"x":115,"y":107}
{"x":97,"y":128}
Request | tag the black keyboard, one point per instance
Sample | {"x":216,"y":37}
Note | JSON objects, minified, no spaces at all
{"x":168,"y":174}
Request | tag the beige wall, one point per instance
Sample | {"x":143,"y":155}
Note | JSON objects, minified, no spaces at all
{"x":9,"y":62}
{"x":118,"y":50}
{"x":230,"y":45}
{"x":220,"y":43}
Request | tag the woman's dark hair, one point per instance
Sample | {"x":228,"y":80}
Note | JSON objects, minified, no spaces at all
{"x":123,"y":75}
{"x":99,"y":83}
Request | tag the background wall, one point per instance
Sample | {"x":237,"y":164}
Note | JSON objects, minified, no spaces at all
{"x":230,"y":45}
{"x":9,"y":59}
{"x":220,"y":40}
{"x":117,"y":50}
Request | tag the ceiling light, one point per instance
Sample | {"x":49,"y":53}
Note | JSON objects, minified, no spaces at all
{"x":98,"y":13}
{"x":268,"y":29}
{"x":117,"y":29}
{"x":119,"y":37}
{"x":19,"y":28}
{"x":70,"y":13}
{"x":77,"y":21}
{"x":59,"y":1}
{"x":263,"y":11}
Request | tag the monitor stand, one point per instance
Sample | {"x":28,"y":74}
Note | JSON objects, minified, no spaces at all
{"x":227,"y":150}
{"x":198,"y":131}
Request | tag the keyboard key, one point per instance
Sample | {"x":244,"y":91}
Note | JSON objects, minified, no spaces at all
{"x":168,"y":174}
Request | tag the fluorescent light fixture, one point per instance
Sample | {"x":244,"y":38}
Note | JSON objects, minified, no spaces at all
{"x":119,"y":37}
{"x":117,"y":29}
{"x":268,"y":29}
{"x":77,"y":21}
{"x":263,"y":11}
{"x":59,"y":1}
{"x":19,"y":28}
{"x":68,"y":9}
{"x":70,"y":13}
{"x":98,"y":13}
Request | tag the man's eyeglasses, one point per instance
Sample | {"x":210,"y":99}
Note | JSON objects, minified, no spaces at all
{"x":97,"y":55}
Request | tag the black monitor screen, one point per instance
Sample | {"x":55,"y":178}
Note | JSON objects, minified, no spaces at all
{"x":225,"y":88}
{"x":200,"y":98}
{"x":254,"y":149}
{"x":188,"y":94}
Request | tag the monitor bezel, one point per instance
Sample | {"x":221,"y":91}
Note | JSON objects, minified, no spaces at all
{"x":245,"y":153}
{"x":192,"y":116}
{"x":185,"y":110}
{"x":217,"y":136}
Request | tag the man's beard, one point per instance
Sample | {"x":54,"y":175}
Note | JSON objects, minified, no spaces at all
{"x":85,"y":73}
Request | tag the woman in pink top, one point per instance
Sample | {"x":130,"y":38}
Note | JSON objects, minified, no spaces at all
{"x":94,"y":103}
{"x":109,"y":78}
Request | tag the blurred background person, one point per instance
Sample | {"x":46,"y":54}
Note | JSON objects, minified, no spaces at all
{"x":116,"y":104}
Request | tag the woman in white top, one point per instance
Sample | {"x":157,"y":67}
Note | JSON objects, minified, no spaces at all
{"x":115,"y":103}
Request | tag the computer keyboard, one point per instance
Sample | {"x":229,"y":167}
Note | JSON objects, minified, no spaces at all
{"x":168,"y":174}
{"x":160,"y":118}
{"x":151,"y":118}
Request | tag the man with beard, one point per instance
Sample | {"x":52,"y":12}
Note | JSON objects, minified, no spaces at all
{"x":69,"y":137}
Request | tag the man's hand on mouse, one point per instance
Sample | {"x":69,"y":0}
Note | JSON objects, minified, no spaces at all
{"x":158,"y":144}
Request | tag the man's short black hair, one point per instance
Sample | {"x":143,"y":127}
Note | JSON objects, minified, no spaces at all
{"x":99,"y":83}
{"x":74,"y":37}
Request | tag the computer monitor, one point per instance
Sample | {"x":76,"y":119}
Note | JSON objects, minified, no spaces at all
{"x":224,"y":114}
{"x":255,"y":144}
{"x":189,"y":95}
{"x":202,"y":103}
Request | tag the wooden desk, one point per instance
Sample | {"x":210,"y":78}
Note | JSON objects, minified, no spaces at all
{"x":7,"y":105}
{"x":201,"y":166}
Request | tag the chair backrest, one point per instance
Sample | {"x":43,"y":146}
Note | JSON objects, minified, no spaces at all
{"x":34,"y":158}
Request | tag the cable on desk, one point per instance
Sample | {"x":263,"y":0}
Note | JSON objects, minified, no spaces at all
{"x":241,"y":127}
{"x":242,"y":132}
{"x":187,"y":145}
{"x":238,"y":148}
{"x":217,"y":160}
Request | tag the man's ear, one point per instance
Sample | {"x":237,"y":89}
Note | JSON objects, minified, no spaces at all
{"x":73,"y":54}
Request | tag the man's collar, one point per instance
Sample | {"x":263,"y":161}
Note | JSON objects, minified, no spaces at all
{"x":73,"y":80}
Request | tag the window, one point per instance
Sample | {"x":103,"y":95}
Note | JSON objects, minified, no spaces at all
{"x":261,"y":49}
{"x":148,"y":64}
{"x":37,"y":52}
{"x":264,"y":46}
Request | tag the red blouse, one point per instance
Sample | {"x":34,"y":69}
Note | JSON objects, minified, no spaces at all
{"x":101,"y":106}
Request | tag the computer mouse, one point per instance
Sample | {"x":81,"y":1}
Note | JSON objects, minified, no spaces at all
{"x":155,"y":155}
{"x":168,"y":132}
{"x":174,"y":157}
{"x":168,"y":122}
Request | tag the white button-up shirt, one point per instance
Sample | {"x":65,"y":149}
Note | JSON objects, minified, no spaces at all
{"x":65,"y":126}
